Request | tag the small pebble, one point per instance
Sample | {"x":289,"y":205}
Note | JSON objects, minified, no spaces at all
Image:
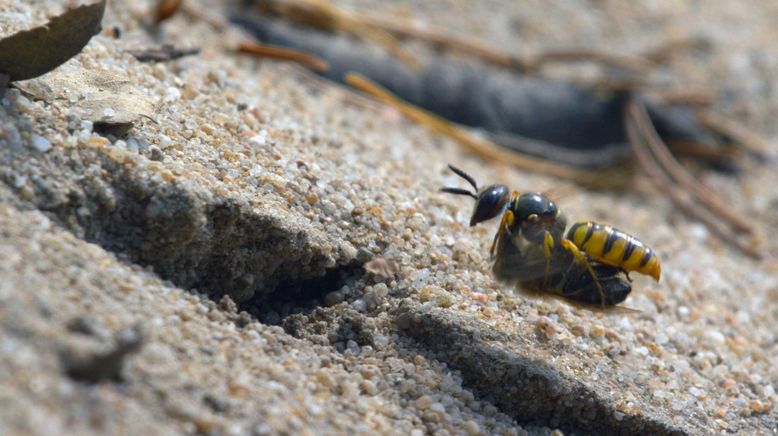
{"x":715,"y":336}
{"x":546,"y":326}
{"x":369,"y":387}
{"x":359,"y":305}
{"x":758,"y":406}
{"x":423,"y":402}
{"x":172,"y":94}
{"x":437,"y":407}
{"x":479,"y":297}
{"x":697,"y":392}
{"x":333,"y":298}
{"x":597,"y":331}
{"x":471,"y":427}
{"x":258,"y":140}
{"x":349,"y":251}
{"x":164,"y":141}
{"x":156,"y":154}
{"x":40,"y":144}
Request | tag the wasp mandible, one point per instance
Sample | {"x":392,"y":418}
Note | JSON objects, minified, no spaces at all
{"x":531,"y":250}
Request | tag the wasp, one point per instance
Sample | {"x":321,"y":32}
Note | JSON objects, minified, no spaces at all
{"x":531,"y":250}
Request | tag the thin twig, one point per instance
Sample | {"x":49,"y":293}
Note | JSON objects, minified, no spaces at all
{"x":487,"y":53}
{"x":665,"y":50}
{"x":643,"y":151}
{"x":281,"y":53}
{"x":667,"y":161}
{"x":624,"y":62}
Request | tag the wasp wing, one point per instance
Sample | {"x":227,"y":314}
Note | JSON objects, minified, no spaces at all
{"x":556,"y":273}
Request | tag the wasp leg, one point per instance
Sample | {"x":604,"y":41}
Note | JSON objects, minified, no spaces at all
{"x":626,"y":273}
{"x":573,"y":249}
{"x":548,"y":245}
{"x":507,"y":221}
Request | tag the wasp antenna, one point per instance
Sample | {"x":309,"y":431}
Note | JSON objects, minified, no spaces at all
{"x":464,"y":175}
{"x":458,"y":191}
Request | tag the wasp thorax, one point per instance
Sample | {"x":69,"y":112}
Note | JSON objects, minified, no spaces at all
{"x":490,"y":202}
{"x":536,"y":215}
{"x":534,"y":207}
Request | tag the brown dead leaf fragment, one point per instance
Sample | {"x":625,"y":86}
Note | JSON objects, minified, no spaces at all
{"x":33,"y":52}
{"x":382,"y":267}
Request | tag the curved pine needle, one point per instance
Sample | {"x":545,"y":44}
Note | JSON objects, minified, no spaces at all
{"x":479,"y":146}
{"x":689,"y":97}
{"x":620,"y":61}
{"x":485,"y":52}
{"x":748,"y":140}
{"x":663,"y":52}
{"x":701,"y":150}
{"x":679,"y":173}
{"x":383,"y":30}
{"x":281,"y":53}
{"x":439,"y":38}
{"x":665,"y":183}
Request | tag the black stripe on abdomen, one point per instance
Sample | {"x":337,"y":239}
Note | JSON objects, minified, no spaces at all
{"x":628,"y":252}
{"x":646,"y":257}
{"x":612,"y":237}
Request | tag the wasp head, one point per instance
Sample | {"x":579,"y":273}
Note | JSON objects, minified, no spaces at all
{"x":490,"y":201}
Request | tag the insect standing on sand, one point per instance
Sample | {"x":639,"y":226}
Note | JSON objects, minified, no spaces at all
{"x":530,"y":249}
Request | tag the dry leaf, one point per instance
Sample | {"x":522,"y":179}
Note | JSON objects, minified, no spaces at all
{"x":110,"y":101}
{"x":33,"y":52}
{"x":382,"y":267}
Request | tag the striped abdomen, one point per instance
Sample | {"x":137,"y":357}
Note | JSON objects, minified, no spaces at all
{"x":613,"y":247}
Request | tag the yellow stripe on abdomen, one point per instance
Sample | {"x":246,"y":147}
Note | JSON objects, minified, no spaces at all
{"x":613,"y":247}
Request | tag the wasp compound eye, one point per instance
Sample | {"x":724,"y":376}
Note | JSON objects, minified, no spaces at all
{"x":491,"y":201}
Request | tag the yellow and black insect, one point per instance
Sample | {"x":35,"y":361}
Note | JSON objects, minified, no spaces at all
{"x":531,"y":250}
